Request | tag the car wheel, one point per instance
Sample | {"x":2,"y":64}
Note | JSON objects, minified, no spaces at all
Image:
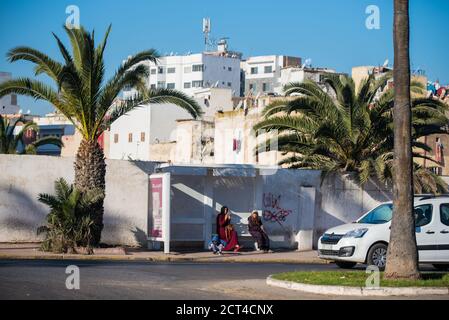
{"x":377,"y":255}
{"x":345,"y":264}
{"x":442,"y":267}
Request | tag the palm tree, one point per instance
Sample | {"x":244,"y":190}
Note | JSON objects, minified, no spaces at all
{"x":88,"y":101}
{"x":69,"y":221}
{"x":344,"y":130}
{"x":402,"y":256}
{"x":15,"y":144}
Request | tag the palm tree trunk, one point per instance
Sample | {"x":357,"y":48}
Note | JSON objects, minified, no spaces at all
{"x":90,"y":171}
{"x":402,"y":259}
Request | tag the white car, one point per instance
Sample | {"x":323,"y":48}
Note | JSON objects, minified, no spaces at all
{"x":366,"y":240}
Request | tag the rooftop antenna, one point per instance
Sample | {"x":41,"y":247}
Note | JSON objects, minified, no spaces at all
{"x":206,"y":31}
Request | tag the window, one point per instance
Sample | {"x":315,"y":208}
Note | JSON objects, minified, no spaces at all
{"x":252,"y":87}
{"x":187,"y":69}
{"x":198,"y":68}
{"x":265,"y":87}
{"x":116,"y":138}
{"x":13,"y":99}
{"x":268,"y":69}
{"x":229,"y":84}
{"x":142,"y":137}
{"x":161,"y":84}
{"x":379,"y":215}
{"x":229,"y":68}
{"x":444,"y":214}
{"x":130,"y":137}
{"x":153,"y":86}
{"x":153,"y":71}
{"x":170,"y":85}
{"x":160,"y":70}
{"x":423,"y":215}
{"x":187,"y":85}
{"x":254,"y":70}
{"x":197,"y":84}
{"x":171,"y":70}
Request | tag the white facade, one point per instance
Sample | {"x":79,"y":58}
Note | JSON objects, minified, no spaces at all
{"x":8,"y":104}
{"x":194,"y":72}
{"x":289,"y":75}
{"x":133,"y":135}
{"x":263,"y":73}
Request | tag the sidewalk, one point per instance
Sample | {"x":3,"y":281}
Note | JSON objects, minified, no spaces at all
{"x":31,"y":251}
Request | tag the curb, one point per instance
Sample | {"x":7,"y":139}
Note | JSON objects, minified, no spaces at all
{"x":356,"y":291}
{"x":155,"y":259}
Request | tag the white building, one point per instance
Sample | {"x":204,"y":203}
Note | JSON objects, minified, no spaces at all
{"x":145,"y":132}
{"x":293,"y":74}
{"x":262,"y":74}
{"x":8,"y":103}
{"x":194,"y":72}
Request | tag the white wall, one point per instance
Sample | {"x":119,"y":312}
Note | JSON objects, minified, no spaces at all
{"x":157,"y":121}
{"x":291,"y":201}
{"x":135,"y":122}
{"x":24,"y":177}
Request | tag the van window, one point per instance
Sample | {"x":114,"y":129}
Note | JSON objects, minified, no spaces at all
{"x":379,"y":215}
{"x":423,"y":215}
{"x":444,"y":214}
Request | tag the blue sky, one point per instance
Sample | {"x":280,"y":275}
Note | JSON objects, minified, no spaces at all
{"x":331,"y":33}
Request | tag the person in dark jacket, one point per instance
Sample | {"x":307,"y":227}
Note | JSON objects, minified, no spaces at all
{"x":257,"y":231}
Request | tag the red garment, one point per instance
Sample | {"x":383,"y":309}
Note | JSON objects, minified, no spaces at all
{"x":232,"y":241}
{"x":221,"y":226}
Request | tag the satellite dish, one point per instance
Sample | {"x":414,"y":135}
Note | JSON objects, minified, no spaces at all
{"x":216,"y":84}
{"x":233,"y":92}
{"x":385,"y":63}
{"x":28,"y":111}
{"x":308,"y":62}
{"x":20,"y":111}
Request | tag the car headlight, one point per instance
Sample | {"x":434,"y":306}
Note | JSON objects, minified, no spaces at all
{"x":357,"y":233}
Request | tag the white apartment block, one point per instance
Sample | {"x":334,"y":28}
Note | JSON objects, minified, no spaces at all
{"x":194,"y":72}
{"x":8,"y":103}
{"x":262,"y":74}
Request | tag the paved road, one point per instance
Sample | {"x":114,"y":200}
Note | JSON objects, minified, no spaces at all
{"x":22,"y":279}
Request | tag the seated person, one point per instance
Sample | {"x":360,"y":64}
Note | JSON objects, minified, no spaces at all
{"x":257,"y":231}
{"x":217,"y":245}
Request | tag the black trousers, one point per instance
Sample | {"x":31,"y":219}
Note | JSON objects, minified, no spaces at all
{"x":262,"y":239}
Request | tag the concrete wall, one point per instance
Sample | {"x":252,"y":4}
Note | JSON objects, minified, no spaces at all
{"x":295,"y":206}
{"x":24,"y":177}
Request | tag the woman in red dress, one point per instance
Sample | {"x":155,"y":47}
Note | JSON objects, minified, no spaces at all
{"x":226,"y":231}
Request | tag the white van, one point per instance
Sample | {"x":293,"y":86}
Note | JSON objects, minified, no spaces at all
{"x":366,"y":240}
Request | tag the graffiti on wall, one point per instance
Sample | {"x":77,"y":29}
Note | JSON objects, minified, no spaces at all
{"x":273,"y":210}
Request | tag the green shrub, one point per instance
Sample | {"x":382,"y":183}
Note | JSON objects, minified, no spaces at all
{"x":70,"y":222}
